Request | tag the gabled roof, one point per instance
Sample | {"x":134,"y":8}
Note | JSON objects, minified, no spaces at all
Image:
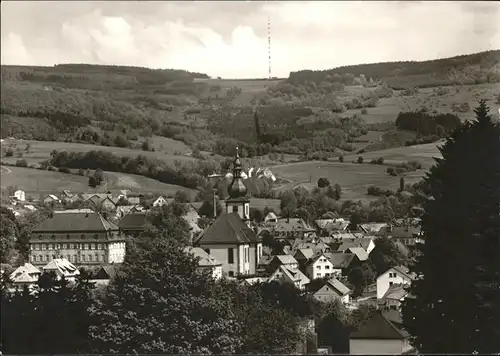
{"x":286,"y":259}
{"x":347,"y":235}
{"x":205,"y":260}
{"x":25,"y":270}
{"x":52,"y":196}
{"x":404,"y":271}
{"x":292,"y":224}
{"x":404,"y":231}
{"x":63,"y":266}
{"x":379,"y":327}
{"x":363,"y":242}
{"x":88,"y":221}
{"x":360,"y":253}
{"x":24,"y":277}
{"x":306,"y":252}
{"x":271,"y":215}
{"x":338,"y":286}
{"x":230,"y":229}
{"x":396,"y":292}
{"x":110,"y":270}
{"x":293,"y":275}
{"x":340,"y":260}
{"x":317,"y":256}
{"x":133,"y":221}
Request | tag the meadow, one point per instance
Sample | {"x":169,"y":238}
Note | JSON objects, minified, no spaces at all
{"x":165,"y":150}
{"x":355,"y":178}
{"x":388,"y":109}
{"x":41,"y":182}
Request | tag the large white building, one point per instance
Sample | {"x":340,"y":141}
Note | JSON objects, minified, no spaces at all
{"x":83,"y":238}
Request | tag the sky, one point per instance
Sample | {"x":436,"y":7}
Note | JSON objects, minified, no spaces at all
{"x":230,"y":39}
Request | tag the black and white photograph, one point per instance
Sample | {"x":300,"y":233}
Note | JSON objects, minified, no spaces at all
{"x":250,"y":177}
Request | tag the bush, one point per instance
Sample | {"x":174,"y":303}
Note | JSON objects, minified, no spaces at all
{"x":21,"y":163}
{"x":9,"y":152}
{"x":364,"y":111}
{"x":64,"y":170}
{"x":360,"y":159}
{"x":323,"y":182}
{"x":51,"y":168}
{"x":81,"y":172}
{"x":341,"y":159}
{"x":379,"y":160}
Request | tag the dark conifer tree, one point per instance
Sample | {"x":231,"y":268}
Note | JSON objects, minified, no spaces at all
{"x":455,"y":302}
{"x":257,"y":124}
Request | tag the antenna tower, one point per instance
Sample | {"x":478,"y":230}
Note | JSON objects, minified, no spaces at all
{"x":269,"y":43}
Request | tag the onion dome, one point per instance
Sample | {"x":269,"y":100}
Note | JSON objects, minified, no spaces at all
{"x":237,"y":188}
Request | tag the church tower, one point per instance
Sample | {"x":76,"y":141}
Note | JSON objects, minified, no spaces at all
{"x":238,"y":201}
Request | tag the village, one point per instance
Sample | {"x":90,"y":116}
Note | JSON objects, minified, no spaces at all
{"x":319,"y":259}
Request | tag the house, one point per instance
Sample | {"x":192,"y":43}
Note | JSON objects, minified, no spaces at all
{"x":51,"y":198}
{"x":340,"y":262}
{"x":283,"y":260}
{"x":289,"y":274}
{"x":105,"y":200}
{"x":346,"y":236}
{"x":26,"y":274}
{"x":290,"y":228}
{"x":160,"y":201}
{"x":331,"y":226}
{"x":271,"y":218}
{"x":206,"y":262}
{"x":367,"y":243}
{"x":20,"y":195}
{"x":68,"y":197}
{"x":133,"y":224}
{"x":332,"y":290}
{"x":61,"y":267}
{"x":316,"y":246}
{"x":394,"y":275}
{"x":394,"y":296}
{"x":372,"y":228}
{"x":408,"y":235}
{"x":381,"y":334}
{"x":84,"y":238}
{"x":229,"y":239}
{"x":30,"y":207}
{"x":319,"y":266}
{"x":303,"y":255}
{"x":105,"y":273}
{"x":123,"y":210}
{"x":359,"y":252}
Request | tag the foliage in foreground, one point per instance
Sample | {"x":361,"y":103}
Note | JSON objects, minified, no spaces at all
{"x":457,"y":295}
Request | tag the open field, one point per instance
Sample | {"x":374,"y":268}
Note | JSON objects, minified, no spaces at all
{"x":388,"y":109}
{"x":355,"y":178}
{"x":40,"y":150}
{"x":36,"y":182}
{"x":422,"y":153}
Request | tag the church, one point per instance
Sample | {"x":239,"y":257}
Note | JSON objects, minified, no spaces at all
{"x":230,"y":239}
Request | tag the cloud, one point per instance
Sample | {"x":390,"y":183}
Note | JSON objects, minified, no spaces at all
{"x":229,"y":39}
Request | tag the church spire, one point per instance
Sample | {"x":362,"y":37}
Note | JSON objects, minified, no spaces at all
{"x":237,"y":189}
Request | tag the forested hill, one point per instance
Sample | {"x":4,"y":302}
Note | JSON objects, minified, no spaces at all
{"x":77,"y":74}
{"x":477,"y":68}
